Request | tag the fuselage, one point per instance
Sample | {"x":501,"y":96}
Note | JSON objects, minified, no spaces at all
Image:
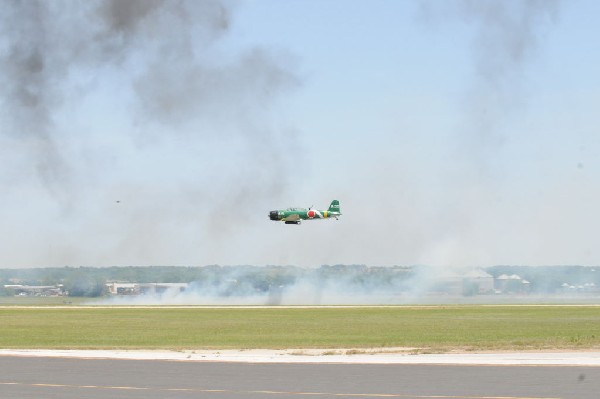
{"x":296,"y":215}
{"x":303,"y":213}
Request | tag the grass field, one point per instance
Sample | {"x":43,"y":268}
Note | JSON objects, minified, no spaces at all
{"x":431,"y":329}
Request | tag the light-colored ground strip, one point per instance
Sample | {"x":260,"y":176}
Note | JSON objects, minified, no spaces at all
{"x":324,"y":356}
{"x":405,"y":306}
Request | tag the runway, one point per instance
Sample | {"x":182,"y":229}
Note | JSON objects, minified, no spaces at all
{"x":70,"y":378}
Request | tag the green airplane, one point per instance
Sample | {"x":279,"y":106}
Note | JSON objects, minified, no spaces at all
{"x":297,"y":215}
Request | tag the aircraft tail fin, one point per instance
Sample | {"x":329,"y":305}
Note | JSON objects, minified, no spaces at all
{"x":334,"y":207}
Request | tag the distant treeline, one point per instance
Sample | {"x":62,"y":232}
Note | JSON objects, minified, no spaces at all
{"x":90,"y":281}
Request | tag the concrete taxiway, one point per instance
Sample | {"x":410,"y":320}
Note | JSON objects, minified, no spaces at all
{"x":28,"y":377}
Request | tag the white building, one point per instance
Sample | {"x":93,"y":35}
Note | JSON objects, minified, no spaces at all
{"x":512,"y":283}
{"x":144,"y":288}
{"x":482,"y":281}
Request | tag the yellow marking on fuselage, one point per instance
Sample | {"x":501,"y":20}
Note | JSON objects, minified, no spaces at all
{"x":324,"y":214}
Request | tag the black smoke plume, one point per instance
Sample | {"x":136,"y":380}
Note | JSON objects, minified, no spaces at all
{"x":185,"y":100}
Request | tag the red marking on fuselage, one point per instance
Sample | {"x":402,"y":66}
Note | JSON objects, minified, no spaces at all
{"x":311,"y":214}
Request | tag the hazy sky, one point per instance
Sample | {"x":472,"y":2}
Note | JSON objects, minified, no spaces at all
{"x":162,"y":133}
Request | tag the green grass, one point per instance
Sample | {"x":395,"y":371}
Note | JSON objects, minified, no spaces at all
{"x":429,"y":328}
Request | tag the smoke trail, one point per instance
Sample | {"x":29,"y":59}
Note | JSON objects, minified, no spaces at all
{"x":507,"y":39}
{"x":507,"y":35}
{"x":174,"y":105}
{"x":30,"y":82}
{"x":363,"y":285}
{"x":248,"y":285}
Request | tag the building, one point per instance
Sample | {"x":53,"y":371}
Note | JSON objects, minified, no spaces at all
{"x":512,"y":284}
{"x":478,"y":281}
{"x":115,"y":288}
{"x":161,"y":288}
{"x":123,"y":288}
{"x":36,"y":290}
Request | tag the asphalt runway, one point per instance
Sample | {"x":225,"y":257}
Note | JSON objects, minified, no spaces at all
{"x":62,"y":378}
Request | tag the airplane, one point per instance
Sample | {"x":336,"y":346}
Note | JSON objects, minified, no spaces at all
{"x":297,"y":215}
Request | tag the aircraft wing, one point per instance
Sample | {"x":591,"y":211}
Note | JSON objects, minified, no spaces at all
{"x":291,"y":218}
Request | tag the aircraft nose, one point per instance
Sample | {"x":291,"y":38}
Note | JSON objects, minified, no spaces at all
{"x":274,"y":215}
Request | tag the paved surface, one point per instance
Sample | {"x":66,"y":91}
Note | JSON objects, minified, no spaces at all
{"x":70,"y":378}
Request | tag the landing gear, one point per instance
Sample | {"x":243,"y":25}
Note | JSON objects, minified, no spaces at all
{"x":293,"y":222}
